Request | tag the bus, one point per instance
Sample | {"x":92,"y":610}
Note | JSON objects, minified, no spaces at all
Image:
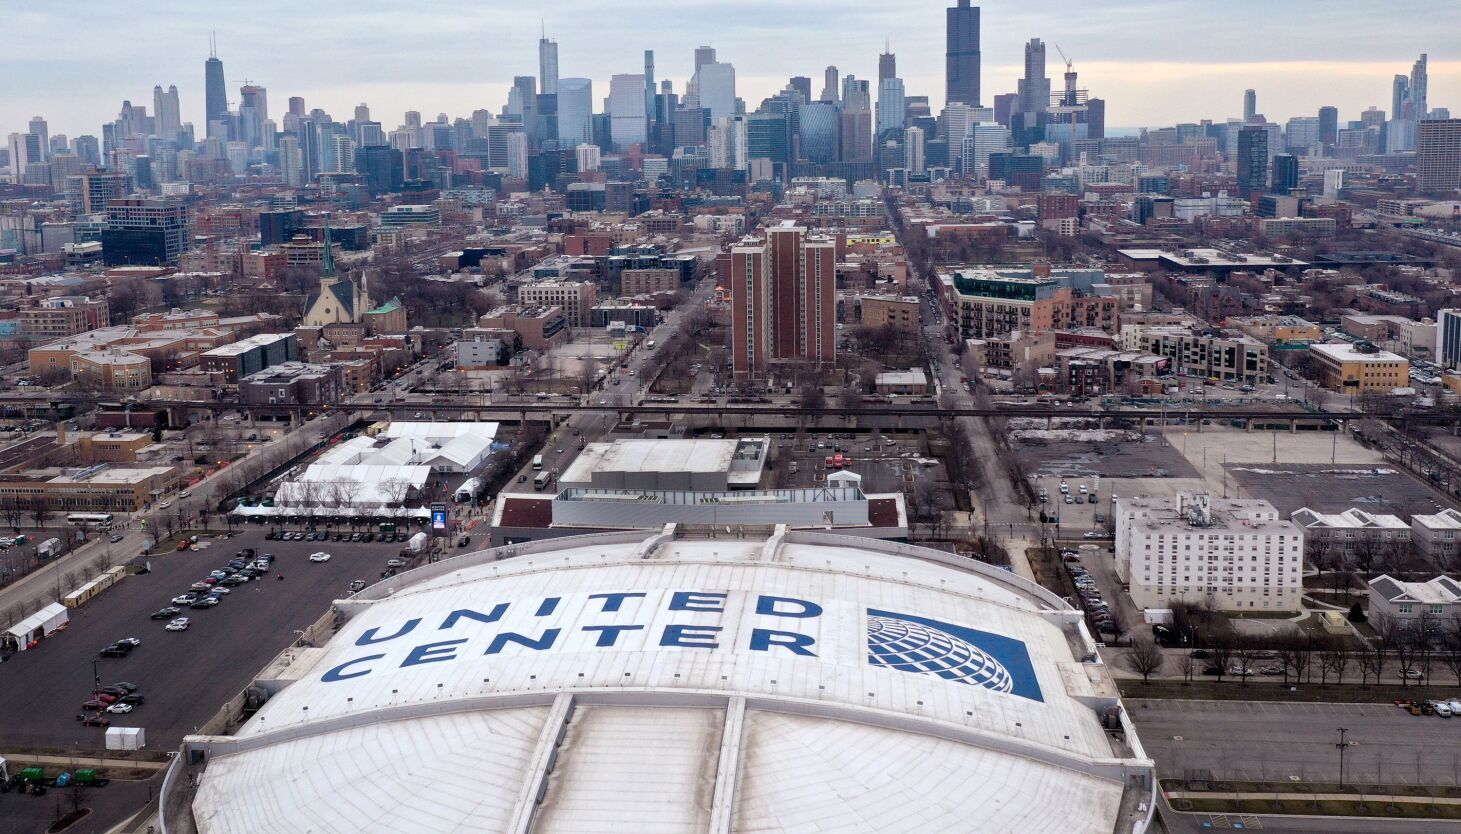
{"x":537,"y":461}
{"x":90,"y":519}
{"x":541,"y":482}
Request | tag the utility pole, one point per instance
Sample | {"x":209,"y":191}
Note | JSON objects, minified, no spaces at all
{"x":1342,"y":745}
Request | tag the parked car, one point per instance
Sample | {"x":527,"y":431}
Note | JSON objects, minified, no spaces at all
{"x":185,"y":599}
{"x":395,"y":563}
{"x":319,"y":557}
{"x":205,"y":602}
{"x":166,"y":613}
{"x":120,"y":707}
{"x":94,"y":721}
{"x":179,"y":624}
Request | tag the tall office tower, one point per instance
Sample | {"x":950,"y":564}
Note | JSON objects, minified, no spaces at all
{"x":855,"y":94}
{"x":296,"y":105}
{"x":88,"y":150}
{"x":801,"y":84}
{"x":25,"y":150}
{"x":1448,"y":338}
{"x":215,"y":92}
{"x":253,"y":111}
{"x":961,"y":55}
{"x":817,"y":127}
{"x":1285,"y":173}
{"x":587,"y":156}
{"x":704,"y":55}
{"x":1252,"y":161}
{"x":168,"y":113}
{"x":575,"y":112}
{"x":1034,"y":88}
{"x":371,"y":134}
{"x":548,"y":65}
{"x":891,"y":106}
{"x":362,"y":112}
{"x":1095,"y":119}
{"x":913,"y":150}
{"x":344,"y":154}
{"x":1301,"y":133}
{"x":716,"y":84}
{"x":1250,"y":105}
{"x":1329,"y":125}
{"x":39,"y":127}
{"x":887,"y":63}
{"x":829,"y":86}
{"x":650,"y":110}
{"x":954,"y":122}
{"x":1438,"y":155}
{"x":626,"y":110}
{"x":782,"y":290}
{"x":982,"y":140}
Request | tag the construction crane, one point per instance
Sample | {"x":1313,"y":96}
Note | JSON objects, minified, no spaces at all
{"x":1070,"y":97}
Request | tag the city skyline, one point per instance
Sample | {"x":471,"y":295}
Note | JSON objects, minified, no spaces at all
{"x":387,"y":61}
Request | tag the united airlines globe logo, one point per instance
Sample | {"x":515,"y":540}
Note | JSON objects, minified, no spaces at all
{"x":953,"y":653}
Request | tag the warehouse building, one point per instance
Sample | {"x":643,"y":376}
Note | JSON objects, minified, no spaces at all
{"x":657,"y":682}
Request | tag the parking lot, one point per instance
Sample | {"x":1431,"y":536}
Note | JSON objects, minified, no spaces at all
{"x":1332,"y":488}
{"x":887,"y":462}
{"x":185,"y":676}
{"x":1271,"y":741}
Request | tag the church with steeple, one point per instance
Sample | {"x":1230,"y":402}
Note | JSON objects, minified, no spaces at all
{"x":340,"y":300}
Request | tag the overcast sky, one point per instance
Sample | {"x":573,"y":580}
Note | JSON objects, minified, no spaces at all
{"x":1155,"y":63}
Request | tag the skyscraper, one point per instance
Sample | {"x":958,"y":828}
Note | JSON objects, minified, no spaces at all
{"x":649,"y":95}
{"x":253,"y":111}
{"x":913,"y":153}
{"x":716,"y":83}
{"x":626,"y":110}
{"x":166,"y":111}
{"x":1329,"y":125}
{"x":892,"y":105}
{"x":704,"y":55}
{"x":961,"y":56}
{"x":1285,"y":173}
{"x":1034,"y":88}
{"x":803,"y":85}
{"x":548,"y":66}
{"x":1438,"y":155}
{"x":215,"y":92}
{"x":1419,"y":88}
{"x":829,"y":86}
{"x":575,"y":112}
{"x":817,"y":127}
{"x":1250,"y":105}
{"x":1252,"y":161}
{"x":887,"y":64}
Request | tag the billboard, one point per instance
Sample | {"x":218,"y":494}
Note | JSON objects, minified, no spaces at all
{"x":438,"y":517}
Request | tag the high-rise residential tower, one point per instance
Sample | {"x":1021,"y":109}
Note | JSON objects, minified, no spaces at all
{"x":961,"y":56}
{"x":166,"y":111}
{"x":1250,"y":105}
{"x":783,"y":298}
{"x":1438,"y":155}
{"x":1252,"y":161}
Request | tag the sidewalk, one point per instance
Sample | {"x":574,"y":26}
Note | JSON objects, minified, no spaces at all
{"x":18,"y":759}
{"x":1239,"y":796}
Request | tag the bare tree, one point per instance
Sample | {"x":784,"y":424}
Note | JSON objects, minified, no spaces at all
{"x":1144,"y":658}
{"x":1222,"y":652}
{"x":1294,"y":655}
{"x":1372,"y":662}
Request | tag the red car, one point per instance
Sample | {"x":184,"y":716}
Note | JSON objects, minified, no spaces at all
{"x":96,"y":704}
{"x":94,"y":721}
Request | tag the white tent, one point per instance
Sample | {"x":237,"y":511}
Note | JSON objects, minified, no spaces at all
{"x":40,"y":624}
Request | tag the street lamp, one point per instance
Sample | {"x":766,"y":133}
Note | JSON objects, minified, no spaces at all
{"x":1342,"y":745}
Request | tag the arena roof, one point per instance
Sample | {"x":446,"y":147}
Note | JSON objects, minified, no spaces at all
{"x":655,"y":683}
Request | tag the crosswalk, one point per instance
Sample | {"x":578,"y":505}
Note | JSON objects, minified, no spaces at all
{"x":1231,"y":822}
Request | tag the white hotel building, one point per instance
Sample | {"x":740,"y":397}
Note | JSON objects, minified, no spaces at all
{"x":1237,"y":555}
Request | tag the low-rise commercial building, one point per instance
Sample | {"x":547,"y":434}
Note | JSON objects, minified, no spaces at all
{"x":538,"y":328}
{"x":649,"y":281}
{"x":1359,"y":368}
{"x":250,"y":355}
{"x":1230,"y":554}
{"x":1228,"y":358}
{"x":290,"y":384}
{"x":97,"y":488}
{"x":574,"y":298}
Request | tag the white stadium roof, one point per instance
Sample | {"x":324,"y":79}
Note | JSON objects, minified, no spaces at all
{"x":637,"y":683}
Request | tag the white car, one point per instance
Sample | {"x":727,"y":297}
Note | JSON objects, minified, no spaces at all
{"x":319,"y":557}
{"x":179,"y":624}
{"x":120,"y":707}
{"x":164,"y":505}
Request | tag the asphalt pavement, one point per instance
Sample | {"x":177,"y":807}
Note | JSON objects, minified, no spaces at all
{"x":185,"y":676}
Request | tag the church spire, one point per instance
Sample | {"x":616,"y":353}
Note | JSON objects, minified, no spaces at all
{"x":328,"y":269}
